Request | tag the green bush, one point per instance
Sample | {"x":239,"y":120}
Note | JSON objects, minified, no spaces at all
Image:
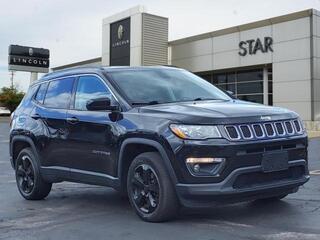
{"x":10,"y":98}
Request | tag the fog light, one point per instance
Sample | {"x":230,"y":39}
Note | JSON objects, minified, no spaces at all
{"x":205,"y":166}
{"x":196,"y":168}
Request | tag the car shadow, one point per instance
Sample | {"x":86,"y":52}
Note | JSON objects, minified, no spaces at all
{"x":239,"y":211}
{"x":100,"y":199}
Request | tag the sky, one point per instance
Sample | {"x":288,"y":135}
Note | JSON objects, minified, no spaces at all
{"x":71,"y":29}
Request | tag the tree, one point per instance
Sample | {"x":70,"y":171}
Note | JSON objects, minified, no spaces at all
{"x":10,"y":97}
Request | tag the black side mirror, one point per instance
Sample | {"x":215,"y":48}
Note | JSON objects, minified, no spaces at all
{"x":100,"y":104}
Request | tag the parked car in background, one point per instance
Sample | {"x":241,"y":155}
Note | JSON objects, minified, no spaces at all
{"x":4,"y":111}
{"x":160,"y":135}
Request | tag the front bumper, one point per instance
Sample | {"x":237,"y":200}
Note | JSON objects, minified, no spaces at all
{"x":208,"y":194}
{"x":242,"y":178}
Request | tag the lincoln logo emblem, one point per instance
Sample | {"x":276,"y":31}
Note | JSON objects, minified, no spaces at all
{"x":120,"y":32}
{"x":30,"y":51}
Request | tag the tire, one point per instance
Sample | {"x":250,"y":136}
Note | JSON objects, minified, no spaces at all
{"x":150,"y":191}
{"x":29,"y":181}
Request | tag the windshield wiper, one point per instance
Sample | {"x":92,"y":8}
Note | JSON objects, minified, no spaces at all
{"x":145,"y":103}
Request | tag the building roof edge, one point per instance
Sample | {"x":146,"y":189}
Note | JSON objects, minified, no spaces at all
{"x":246,"y":26}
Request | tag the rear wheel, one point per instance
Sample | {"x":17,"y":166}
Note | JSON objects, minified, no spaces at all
{"x":30,"y":184}
{"x":150,"y":190}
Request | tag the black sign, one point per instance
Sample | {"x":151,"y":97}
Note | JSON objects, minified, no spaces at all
{"x":29,"y":61}
{"x":252,"y":46}
{"x":120,"y":43}
{"x":28,"y":51}
{"x":27,"y":58}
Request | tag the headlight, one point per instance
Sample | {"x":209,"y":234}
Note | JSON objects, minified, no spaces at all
{"x":196,"y":132}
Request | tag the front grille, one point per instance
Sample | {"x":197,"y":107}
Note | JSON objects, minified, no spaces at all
{"x":297,"y":126}
{"x":257,"y":128}
{"x":248,"y":180}
{"x":279,"y":128}
{"x":269,"y":129}
{"x":233,"y":132}
{"x":246,"y":132}
{"x":289,"y":127}
{"x":264,"y":130}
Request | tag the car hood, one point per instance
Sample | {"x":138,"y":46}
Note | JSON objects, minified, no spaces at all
{"x":217,"y":111}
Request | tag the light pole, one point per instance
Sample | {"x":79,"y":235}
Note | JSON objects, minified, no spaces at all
{"x":11,"y":78}
{"x":33,"y":77}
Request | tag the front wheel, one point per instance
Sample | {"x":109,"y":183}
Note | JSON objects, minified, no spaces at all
{"x":150,"y":190}
{"x":29,"y":181}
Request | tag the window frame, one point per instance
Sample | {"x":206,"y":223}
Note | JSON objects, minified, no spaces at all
{"x":58,"y":79}
{"x":75,"y":86}
{"x":36,"y":93}
{"x":75,"y":76}
{"x":32,"y":90}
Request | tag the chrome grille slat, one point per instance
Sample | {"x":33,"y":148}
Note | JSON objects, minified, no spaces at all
{"x":265,"y":130}
{"x":273,"y":132}
{"x":298,"y":129}
{"x":243,"y":133}
{"x":229,"y":134}
{"x":262,"y":135}
{"x":289,"y":127}
{"x":282,"y":129}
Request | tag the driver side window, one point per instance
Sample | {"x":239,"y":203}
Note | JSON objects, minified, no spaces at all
{"x":89,"y":88}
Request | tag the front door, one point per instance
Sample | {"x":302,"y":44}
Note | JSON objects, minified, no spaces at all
{"x":90,"y":133}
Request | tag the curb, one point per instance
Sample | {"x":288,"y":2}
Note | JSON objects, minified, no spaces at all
{"x":4,"y":118}
{"x":313,"y":134}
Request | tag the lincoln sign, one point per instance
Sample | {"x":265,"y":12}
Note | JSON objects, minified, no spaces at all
{"x":28,"y":59}
{"x":120,"y":43}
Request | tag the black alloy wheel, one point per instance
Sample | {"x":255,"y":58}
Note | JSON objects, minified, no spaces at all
{"x":29,"y":181}
{"x":150,"y":189}
{"x":25,"y":175}
{"x":145,"y":188}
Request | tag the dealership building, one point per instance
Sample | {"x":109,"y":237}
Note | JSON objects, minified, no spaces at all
{"x":275,"y":61}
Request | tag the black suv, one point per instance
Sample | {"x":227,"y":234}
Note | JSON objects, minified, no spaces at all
{"x":160,"y":135}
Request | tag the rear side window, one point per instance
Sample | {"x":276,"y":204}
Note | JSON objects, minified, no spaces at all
{"x":59,"y":93}
{"x":41,"y":93}
{"x":26,"y":99}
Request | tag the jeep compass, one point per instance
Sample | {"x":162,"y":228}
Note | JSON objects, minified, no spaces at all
{"x":162,"y":136}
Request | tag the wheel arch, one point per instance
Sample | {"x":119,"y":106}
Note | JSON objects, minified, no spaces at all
{"x":151,"y":146}
{"x":17,"y":144}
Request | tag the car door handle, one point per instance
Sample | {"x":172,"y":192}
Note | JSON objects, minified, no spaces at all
{"x":35,"y":116}
{"x":72,"y":120}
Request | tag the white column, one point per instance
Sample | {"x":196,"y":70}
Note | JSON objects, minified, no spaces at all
{"x":265,"y":86}
{"x":33,"y":77}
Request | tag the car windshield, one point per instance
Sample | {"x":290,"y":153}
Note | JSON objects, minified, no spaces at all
{"x":153,"y":86}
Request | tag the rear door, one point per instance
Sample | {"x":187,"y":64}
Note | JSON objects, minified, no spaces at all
{"x":52,"y":101}
{"x":91,"y":134}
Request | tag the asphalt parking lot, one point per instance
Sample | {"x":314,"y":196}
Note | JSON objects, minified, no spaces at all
{"x":77,"y":211}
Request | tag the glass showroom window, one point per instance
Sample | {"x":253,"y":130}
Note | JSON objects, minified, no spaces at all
{"x":245,"y":84}
{"x":270,"y":87}
{"x":250,"y":85}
